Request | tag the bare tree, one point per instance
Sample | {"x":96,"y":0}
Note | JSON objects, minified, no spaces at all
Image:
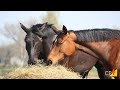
{"x":16,"y":34}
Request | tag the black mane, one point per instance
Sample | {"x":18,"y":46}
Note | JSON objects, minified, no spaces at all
{"x":95,"y":35}
{"x":36,"y":26}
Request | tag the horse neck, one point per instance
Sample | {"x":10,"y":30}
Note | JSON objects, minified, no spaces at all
{"x":103,"y":50}
{"x":47,"y":44}
{"x":95,"y":47}
{"x":86,"y":50}
{"x":69,"y":59}
{"x":107,"y":50}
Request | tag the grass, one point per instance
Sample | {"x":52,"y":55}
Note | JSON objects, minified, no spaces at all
{"x":5,"y":70}
{"x":93,"y":74}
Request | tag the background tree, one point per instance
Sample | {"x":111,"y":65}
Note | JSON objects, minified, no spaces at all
{"x":53,"y":18}
{"x":17,"y":48}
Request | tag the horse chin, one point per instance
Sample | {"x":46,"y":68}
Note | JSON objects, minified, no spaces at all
{"x":54,"y":62}
{"x":31,"y":62}
{"x":58,"y":61}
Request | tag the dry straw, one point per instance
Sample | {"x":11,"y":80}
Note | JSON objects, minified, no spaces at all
{"x":42,"y":72}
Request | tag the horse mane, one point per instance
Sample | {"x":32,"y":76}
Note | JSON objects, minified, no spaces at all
{"x":36,"y":26}
{"x":33,"y":27}
{"x":96,"y":35}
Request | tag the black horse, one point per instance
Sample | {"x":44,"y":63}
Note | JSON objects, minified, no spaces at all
{"x":38,"y":41}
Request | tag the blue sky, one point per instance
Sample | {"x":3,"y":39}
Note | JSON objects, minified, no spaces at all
{"x":74,"y":20}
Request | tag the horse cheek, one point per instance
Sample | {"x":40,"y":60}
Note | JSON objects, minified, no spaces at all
{"x":68,"y":49}
{"x":71,"y":48}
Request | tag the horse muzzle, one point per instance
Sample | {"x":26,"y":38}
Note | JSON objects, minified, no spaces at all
{"x":49,"y":62}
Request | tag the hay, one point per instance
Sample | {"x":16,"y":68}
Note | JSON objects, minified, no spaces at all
{"x":1,"y":77}
{"x":42,"y":72}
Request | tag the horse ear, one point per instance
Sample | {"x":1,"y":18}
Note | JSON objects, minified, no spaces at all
{"x":50,"y":25}
{"x":64,"y":29}
{"x":46,"y":22}
{"x":24,"y":28}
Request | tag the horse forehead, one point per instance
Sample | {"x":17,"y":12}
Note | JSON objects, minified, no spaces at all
{"x":32,"y":37}
{"x":61,"y":36}
{"x":68,"y":37}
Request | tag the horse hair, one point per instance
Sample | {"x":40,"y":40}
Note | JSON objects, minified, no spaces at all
{"x":36,"y":26}
{"x":96,"y":35}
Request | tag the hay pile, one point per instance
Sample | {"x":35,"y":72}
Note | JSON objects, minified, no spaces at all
{"x":42,"y":72}
{"x":1,"y":77}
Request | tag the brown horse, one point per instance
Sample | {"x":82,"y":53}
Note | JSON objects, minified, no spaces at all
{"x":104,"y":42}
{"x":83,"y":62}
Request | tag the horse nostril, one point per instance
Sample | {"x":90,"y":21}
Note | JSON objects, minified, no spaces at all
{"x":49,"y":62}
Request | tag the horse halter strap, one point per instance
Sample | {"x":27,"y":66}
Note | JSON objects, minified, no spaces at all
{"x":64,"y":39}
{"x":60,"y":42}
